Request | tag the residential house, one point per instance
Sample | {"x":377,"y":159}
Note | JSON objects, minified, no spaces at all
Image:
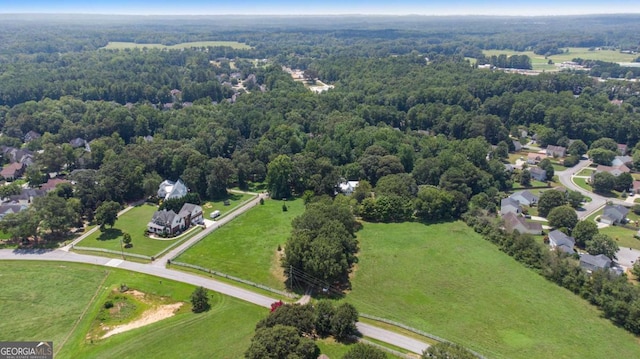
{"x":52,"y":183}
{"x":166,"y":222}
{"x":538,"y":174}
{"x":191,"y":214}
{"x":17,"y":155}
{"x":509,"y":205}
{"x":513,"y":222}
{"x":517,"y":145}
{"x":169,"y":189}
{"x":534,"y":158}
{"x":593,"y":263}
{"x":622,"y":160}
{"x":508,"y":167}
{"x":13,"y":171}
{"x":622,"y":148}
{"x":6,"y":209}
{"x":525,"y":198}
{"x":614,"y":214}
{"x":347,"y":187}
{"x":616,"y":171}
{"x":31,"y":135}
{"x":80,"y":142}
{"x":26,"y":196}
{"x":556,"y":151}
{"x":561,"y":241}
{"x":636,"y":187}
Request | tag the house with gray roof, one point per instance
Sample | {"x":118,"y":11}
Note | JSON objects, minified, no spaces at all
{"x":509,"y":205}
{"x":525,"y":198}
{"x":556,"y":151}
{"x":166,"y":222}
{"x":622,"y":160}
{"x":517,"y":145}
{"x":169,"y":189}
{"x":538,"y":174}
{"x":514,"y":222}
{"x":614,"y":214}
{"x":561,"y":241}
{"x":593,"y":263}
{"x":6,"y":209}
{"x":26,"y":196}
{"x":191,"y":214}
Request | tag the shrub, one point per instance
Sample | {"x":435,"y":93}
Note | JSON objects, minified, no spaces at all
{"x":108,"y":304}
{"x":284,"y":208}
{"x":261,"y":201}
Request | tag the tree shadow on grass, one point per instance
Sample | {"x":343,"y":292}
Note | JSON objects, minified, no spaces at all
{"x":109,"y":234}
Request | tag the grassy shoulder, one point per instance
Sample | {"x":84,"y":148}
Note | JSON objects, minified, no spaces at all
{"x":445,"y":279}
{"x":247,"y":246}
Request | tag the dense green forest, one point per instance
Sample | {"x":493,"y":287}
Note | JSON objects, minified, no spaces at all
{"x":408,"y":116}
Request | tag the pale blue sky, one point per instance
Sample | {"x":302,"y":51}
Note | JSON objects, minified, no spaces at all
{"x":323,"y":7}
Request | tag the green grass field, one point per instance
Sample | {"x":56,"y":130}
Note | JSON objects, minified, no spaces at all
{"x":42,"y":301}
{"x":235,"y":200}
{"x":445,"y":279}
{"x":185,"y":45}
{"x":540,"y":63}
{"x":247,"y":246}
{"x":133,"y":222}
{"x":45,"y":301}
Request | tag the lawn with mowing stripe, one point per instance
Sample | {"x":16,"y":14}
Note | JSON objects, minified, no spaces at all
{"x":247,"y":246}
{"x":42,"y":301}
{"x":133,"y":222}
{"x":445,"y":279}
{"x":185,"y":45}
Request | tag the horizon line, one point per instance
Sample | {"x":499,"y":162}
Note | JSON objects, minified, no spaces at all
{"x":320,"y":14}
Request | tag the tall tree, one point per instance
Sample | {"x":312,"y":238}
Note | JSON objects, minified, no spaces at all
{"x":279,"y":172}
{"x":584,"y":232}
{"x":107,"y":214}
{"x":550,"y":200}
{"x":602,"y":244}
{"x":563,"y":217}
{"x":280,"y":341}
{"x":220,"y":174}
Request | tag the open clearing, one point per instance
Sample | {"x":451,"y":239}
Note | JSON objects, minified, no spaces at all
{"x":445,"y":279}
{"x":44,"y":301}
{"x":247,"y":246}
{"x":117,"y":45}
{"x":540,"y":63}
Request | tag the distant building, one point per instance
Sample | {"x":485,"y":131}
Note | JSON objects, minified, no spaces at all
{"x":562,"y":242}
{"x":169,"y":189}
{"x":348,"y":187}
{"x":592,"y":263}
{"x":614,"y":214}
{"x":525,"y":198}
{"x":538,"y":174}
{"x":556,"y":151}
{"x":509,"y":205}
{"x":513,"y":222}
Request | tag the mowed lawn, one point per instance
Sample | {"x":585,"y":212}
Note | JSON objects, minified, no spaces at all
{"x":247,"y":246}
{"x":445,"y":279}
{"x":185,"y":45}
{"x":43,"y":300}
{"x":133,"y":222}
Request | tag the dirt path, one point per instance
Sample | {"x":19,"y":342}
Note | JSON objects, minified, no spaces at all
{"x":150,"y":316}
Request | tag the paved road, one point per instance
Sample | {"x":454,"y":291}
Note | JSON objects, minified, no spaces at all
{"x":158,"y":268}
{"x":367,"y":330}
{"x":597,"y":201}
{"x":626,"y":256}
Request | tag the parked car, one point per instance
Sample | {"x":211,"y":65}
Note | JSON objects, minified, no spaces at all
{"x":215,"y":214}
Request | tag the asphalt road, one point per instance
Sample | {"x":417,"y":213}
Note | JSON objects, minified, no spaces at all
{"x":626,"y":256}
{"x":158,"y":269}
